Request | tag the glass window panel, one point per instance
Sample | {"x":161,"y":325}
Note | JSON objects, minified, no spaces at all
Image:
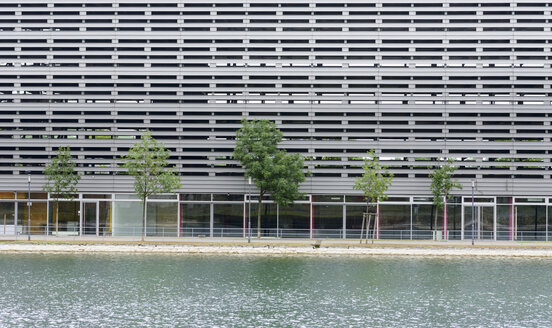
{"x":127,"y":219}
{"x":395,"y":217}
{"x":295,"y":220}
{"x":167,"y":197}
{"x":397,"y":199}
{"x":195,"y":197}
{"x":89,"y":218}
{"x":354,"y":220}
{"x":531,"y":222}
{"x":530,"y":200}
{"x":483,"y":218}
{"x":97,"y":196}
{"x":503,"y":217}
{"x":355,"y":199}
{"x":105,"y":228}
{"x":34,"y":195}
{"x":255,"y":198}
{"x":487,"y":222}
{"x":454,"y":221}
{"x":268,"y":218}
{"x":195,"y":219}
{"x":61,"y":197}
{"x":327,"y":198}
{"x":7,"y":218}
{"x":38,"y":217}
{"x":423,"y":217}
{"x":228,"y":197}
{"x":162,"y":219}
{"x":7,"y":195}
{"x":228,"y":220}
{"x":504,"y":200}
{"x":479,"y":200}
{"x":455,"y":200}
{"x":126,"y":196}
{"x":64,"y":217}
{"x":468,"y":221}
{"x":328,"y":221}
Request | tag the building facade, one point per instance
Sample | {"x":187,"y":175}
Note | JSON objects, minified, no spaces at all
{"x":418,"y":81}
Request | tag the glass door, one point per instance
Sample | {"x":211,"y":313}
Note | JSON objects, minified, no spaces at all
{"x":90,"y":220}
{"x":483,"y":222}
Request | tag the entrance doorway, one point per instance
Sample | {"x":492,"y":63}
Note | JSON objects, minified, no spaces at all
{"x":484,"y":222}
{"x":91,"y":218}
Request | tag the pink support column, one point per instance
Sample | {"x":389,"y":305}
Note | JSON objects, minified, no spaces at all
{"x":244,"y":225}
{"x":445,"y":220}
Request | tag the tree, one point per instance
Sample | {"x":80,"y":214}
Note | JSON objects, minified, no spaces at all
{"x":442,"y":184}
{"x":273,"y":170}
{"x":147,"y":161}
{"x":61,"y":178}
{"x":373,"y":183}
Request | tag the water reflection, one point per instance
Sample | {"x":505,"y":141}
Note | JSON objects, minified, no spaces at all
{"x":198,"y":291}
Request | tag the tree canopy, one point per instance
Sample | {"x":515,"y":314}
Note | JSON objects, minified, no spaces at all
{"x":147,"y":161}
{"x":442,"y":183}
{"x":441,"y":186}
{"x":273,"y":170}
{"x":61,"y":178}
{"x":375,"y":179}
{"x":374,"y":183}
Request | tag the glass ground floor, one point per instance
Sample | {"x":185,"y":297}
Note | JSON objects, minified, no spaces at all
{"x":314,"y":216}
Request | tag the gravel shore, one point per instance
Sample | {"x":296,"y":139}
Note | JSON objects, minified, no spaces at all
{"x":277,"y":250}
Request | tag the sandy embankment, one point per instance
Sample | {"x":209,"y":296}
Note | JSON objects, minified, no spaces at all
{"x":276,"y":250}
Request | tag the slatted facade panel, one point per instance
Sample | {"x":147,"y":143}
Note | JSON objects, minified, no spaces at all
{"x":418,"y":81}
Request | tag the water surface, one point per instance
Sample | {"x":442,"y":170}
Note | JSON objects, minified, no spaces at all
{"x":197,"y":291}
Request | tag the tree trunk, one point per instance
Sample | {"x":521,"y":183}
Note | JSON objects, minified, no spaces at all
{"x":362,"y":226}
{"x":368,"y":227}
{"x":259,"y":206}
{"x":143,"y":218}
{"x":435,"y":223}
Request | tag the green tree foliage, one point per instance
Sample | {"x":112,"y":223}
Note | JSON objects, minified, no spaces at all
{"x":61,"y":178}
{"x":273,"y":170}
{"x":374,"y":182}
{"x":375,"y":179}
{"x":147,"y":161}
{"x":442,"y":184}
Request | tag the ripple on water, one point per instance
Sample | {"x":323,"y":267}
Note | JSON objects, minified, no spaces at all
{"x":220,"y":291}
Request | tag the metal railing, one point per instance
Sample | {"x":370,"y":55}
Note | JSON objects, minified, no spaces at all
{"x":531,"y":235}
{"x":236,"y":232}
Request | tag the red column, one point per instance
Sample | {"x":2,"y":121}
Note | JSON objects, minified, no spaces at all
{"x":311,"y":219}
